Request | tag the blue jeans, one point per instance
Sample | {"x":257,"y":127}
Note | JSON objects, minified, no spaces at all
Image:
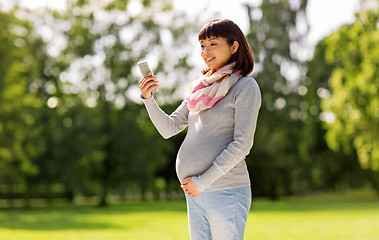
{"x":219,"y":215}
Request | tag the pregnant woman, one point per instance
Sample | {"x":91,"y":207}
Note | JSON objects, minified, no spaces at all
{"x":220,"y":111}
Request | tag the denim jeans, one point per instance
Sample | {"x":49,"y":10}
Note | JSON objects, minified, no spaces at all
{"x":219,"y":215}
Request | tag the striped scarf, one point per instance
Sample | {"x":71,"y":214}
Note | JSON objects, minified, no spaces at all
{"x":206,"y":91}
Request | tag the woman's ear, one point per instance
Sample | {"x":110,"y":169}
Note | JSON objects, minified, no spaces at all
{"x":235,"y":46}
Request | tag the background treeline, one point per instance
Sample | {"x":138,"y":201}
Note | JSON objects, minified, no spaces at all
{"x":71,"y":124}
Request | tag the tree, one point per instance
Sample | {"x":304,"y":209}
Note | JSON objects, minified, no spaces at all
{"x":351,"y":113}
{"x":105,"y":45}
{"x":276,"y":164}
{"x":87,"y":132}
{"x":104,"y":42}
{"x":20,"y":57}
{"x":330,"y":170}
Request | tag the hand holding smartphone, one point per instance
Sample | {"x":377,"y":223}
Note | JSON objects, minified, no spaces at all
{"x":145,"y":69}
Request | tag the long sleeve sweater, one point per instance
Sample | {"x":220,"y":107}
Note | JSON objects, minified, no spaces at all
{"x":218,"y":139}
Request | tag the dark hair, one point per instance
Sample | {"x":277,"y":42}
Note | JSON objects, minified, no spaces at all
{"x":227,"y":29}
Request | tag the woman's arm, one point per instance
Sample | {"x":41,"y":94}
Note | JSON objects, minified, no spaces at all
{"x":167,"y":125}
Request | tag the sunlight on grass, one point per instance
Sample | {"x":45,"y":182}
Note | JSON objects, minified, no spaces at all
{"x":346,"y":222}
{"x":317,"y":217}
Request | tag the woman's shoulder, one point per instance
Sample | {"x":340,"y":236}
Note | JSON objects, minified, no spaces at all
{"x":247,"y":91}
{"x":247,"y":83}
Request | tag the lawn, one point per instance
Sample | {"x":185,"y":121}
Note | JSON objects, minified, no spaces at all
{"x":324,"y":217}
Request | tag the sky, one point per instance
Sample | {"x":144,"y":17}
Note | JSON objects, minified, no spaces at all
{"x":324,"y":16}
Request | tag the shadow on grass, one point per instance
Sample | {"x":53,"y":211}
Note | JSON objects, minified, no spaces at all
{"x":44,"y":223}
{"x":81,"y":217}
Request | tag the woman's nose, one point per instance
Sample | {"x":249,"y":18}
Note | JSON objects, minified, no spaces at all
{"x":206,"y":49}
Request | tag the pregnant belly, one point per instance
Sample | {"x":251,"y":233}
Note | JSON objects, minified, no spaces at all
{"x":194,"y":158}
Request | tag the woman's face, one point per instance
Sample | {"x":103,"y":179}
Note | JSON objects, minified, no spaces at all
{"x":216,"y":52}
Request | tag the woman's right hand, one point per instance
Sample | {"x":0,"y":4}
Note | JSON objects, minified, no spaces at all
{"x":148,"y":84}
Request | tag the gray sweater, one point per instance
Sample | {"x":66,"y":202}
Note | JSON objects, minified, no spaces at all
{"x":218,"y":139}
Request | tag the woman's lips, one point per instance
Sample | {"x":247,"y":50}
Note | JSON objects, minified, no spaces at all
{"x":208,"y":60}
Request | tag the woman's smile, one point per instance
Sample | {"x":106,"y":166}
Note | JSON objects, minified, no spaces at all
{"x":208,"y":60}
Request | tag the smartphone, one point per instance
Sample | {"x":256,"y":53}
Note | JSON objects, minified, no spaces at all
{"x":145,"y":69}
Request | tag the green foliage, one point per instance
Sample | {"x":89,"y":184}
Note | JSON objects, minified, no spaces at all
{"x":19,"y":54}
{"x":352,"y":52}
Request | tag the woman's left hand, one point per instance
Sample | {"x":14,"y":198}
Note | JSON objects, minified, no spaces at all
{"x":189,"y":188}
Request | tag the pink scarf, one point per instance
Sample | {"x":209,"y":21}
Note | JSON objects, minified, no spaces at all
{"x":206,"y":91}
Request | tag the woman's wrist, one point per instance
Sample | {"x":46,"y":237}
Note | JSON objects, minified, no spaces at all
{"x":143,"y":97}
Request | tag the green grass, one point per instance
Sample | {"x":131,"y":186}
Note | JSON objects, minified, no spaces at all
{"x":334,"y":217}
